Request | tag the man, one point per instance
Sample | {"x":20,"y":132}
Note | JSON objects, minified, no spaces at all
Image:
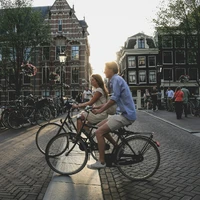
{"x":186,"y":94}
{"x":154,"y":93}
{"x":170,"y":95}
{"x":121,"y":95}
{"x":86,"y":95}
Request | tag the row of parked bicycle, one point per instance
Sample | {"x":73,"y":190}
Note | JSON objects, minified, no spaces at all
{"x":28,"y":110}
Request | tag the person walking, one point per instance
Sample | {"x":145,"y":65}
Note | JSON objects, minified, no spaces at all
{"x":185,"y":100}
{"x":147,"y":98}
{"x":170,"y":94}
{"x":159,"y":97}
{"x":154,"y":93}
{"x":86,"y":95}
{"x":178,"y":96}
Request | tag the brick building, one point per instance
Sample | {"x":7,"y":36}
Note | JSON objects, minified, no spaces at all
{"x":69,"y":35}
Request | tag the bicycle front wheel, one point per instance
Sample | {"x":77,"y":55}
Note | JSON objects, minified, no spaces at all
{"x":45,"y":133}
{"x":138,"y":158}
{"x":66,"y":158}
{"x":43,"y":116}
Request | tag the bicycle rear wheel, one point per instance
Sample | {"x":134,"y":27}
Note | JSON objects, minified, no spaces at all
{"x":146,"y":154}
{"x":64,"y":157}
{"x":15,"y":119}
{"x":45,"y":133}
{"x":43,"y":116}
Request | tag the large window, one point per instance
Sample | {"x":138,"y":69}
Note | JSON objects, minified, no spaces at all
{"x":75,"y":52}
{"x":167,"y":57}
{"x":167,"y":42}
{"x":141,"y":61}
{"x":45,"y":75}
{"x":193,"y":74}
{"x":11,"y":76}
{"x":59,"y":49}
{"x":60,"y":25}
{"x":192,"y":57}
{"x":180,"y":57}
{"x":46,"y":53}
{"x":179,"y":41}
{"x":192,"y":42}
{"x":167,"y":74}
{"x":131,"y":61}
{"x":132,"y":77}
{"x":179,"y":72}
{"x":142,"y":77}
{"x":152,"y":61}
{"x":75,"y":75}
{"x":152,"y":76}
{"x":141,"y":43}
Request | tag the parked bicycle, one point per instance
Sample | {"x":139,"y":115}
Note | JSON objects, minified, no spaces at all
{"x":137,"y":156}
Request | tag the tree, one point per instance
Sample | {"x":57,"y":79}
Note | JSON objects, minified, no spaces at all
{"x":22,"y":31}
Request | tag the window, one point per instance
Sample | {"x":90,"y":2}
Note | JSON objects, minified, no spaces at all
{"x":192,"y":41}
{"x":75,"y":52}
{"x":141,"y":43}
{"x":192,"y":57}
{"x":45,"y":93}
{"x":27,"y":79}
{"x":46,"y":53}
{"x":167,"y":42}
{"x":58,"y":71}
{"x":57,"y":93}
{"x":27,"y":54}
{"x":167,"y":74}
{"x":179,"y":42}
{"x":180,"y":57}
{"x":75,"y":75}
{"x":45,"y":75}
{"x":193,"y":73}
{"x":167,"y":57}
{"x":12,"y":96}
{"x":132,"y":77}
{"x":60,"y":25}
{"x":59,"y":49}
{"x":179,"y":72}
{"x":11,"y":76}
{"x":152,"y":61}
{"x":141,"y":61}
{"x":131,"y":61}
{"x":152,"y":76}
{"x":142,"y":77}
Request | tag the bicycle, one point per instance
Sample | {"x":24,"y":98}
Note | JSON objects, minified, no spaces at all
{"x":137,"y":156}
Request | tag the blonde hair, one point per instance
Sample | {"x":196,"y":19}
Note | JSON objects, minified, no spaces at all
{"x":100,"y":82}
{"x":112,"y":65}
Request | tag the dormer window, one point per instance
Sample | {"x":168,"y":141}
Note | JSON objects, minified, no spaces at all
{"x":60,"y":25}
{"x":141,"y":43}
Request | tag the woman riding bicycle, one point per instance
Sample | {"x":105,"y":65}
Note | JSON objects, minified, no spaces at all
{"x":99,"y":97}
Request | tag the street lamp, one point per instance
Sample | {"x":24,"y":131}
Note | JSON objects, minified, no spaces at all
{"x":62,"y":59}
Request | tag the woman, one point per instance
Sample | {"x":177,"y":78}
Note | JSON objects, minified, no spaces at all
{"x":178,"y":98}
{"x":99,"y":96}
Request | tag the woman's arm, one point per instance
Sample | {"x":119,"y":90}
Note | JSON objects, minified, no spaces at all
{"x":94,"y":99}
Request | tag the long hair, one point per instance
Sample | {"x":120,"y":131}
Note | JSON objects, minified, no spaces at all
{"x":100,"y":82}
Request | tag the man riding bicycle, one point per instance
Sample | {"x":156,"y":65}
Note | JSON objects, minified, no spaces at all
{"x":121,"y":95}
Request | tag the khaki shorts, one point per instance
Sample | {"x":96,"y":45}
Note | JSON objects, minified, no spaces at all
{"x":117,"y":121}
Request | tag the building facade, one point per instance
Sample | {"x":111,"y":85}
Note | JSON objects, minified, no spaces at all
{"x":69,"y":35}
{"x":138,"y":62}
{"x":178,"y":55}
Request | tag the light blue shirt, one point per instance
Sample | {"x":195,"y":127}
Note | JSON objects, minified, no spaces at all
{"x":121,"y":94}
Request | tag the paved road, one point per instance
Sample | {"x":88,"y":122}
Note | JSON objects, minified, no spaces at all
{"x":178,"y":176}
{"x":24,"y":174}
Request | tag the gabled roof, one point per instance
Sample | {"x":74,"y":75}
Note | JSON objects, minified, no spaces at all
{"x":140,"y":34}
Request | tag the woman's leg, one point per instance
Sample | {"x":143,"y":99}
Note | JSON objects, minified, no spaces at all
{"x":176,"y":109}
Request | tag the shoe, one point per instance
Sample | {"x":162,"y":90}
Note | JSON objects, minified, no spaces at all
{"x":97,"y":165}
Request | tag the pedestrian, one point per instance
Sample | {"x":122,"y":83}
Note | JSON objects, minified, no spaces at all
{"x":159,"y":97}
{"x":178,"y":98}
{"x":86,"y":95}
{"x":185,"y":100}
{"x":154,"y":93}
{"x":170,"y":94}
{"x":147,"y":98}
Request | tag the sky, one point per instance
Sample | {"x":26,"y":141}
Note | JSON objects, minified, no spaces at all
{"x":110,"y":23}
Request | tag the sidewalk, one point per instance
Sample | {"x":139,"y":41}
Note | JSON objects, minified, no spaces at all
{"x":190,"y":124}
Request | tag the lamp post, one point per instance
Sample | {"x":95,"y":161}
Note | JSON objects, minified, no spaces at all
{"x":62,"y":59}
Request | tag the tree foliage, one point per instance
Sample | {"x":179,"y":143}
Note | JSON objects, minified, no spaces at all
{"x":22,"y":30}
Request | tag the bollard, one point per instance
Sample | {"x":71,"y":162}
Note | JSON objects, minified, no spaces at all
{"x":138,"y":101}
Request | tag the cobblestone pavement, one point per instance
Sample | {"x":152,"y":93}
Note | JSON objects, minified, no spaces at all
{"x":24,"y":174}
{"x":178,"y":176}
